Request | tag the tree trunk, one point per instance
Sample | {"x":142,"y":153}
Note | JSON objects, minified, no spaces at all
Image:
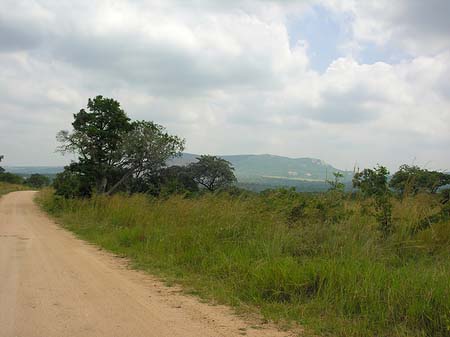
{"x":103,"y":185}
{"x":120,"y":182}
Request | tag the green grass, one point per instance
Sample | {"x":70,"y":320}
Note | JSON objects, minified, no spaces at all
{"x":317,"y":260}
{"x":7,"y":188}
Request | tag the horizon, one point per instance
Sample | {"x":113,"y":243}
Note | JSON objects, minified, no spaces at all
{"x":335,"y":80}
{"x":246,"y":154}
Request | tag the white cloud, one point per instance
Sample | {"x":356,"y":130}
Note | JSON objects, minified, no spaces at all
{"x":223,"y":75}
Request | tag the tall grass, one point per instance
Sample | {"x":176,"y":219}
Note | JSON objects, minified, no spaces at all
{"x":7,"y":188}
{"x":317,"y":260}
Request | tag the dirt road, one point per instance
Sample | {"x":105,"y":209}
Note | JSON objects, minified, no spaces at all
{"x":55,"y":285}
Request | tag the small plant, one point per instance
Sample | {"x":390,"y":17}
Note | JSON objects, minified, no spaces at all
{"x":336,"y":184}
{"x":373,"y":183}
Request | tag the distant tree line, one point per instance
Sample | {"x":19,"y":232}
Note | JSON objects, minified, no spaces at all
{"x":34,"y":180}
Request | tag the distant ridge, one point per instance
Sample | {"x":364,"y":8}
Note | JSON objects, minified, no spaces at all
{"x":251,"y":167}
{"x":253,"y":171}
{"x":28,"y":170}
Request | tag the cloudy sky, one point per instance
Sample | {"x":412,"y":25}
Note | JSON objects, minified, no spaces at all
{"x":346,"y":81}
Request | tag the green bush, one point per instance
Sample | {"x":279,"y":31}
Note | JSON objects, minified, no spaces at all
{"x":10,"y":178}
{"x":37,"y":181}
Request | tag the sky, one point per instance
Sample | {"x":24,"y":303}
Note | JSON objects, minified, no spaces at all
{"x":346,"y":81}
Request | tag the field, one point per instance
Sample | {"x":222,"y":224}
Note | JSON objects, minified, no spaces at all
{"x":314,"y":259}
{"x":7,"y":188}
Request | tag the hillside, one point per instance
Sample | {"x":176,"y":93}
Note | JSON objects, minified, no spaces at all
{"x":28,"y":170}
{"x":271,"y":168}
{"x":255,"y":172}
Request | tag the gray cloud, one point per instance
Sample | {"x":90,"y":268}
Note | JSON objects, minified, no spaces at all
{"x":348,"y":107}
{"x":415,"y":26}
{"x":14,"y":39}
{"x":223,"y":75}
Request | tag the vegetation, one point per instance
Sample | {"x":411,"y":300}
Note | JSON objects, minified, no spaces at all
{"x":336,"y":184}
{"x":369,"y":262}
{"x":115,"y":154}
{"x":12,"y":182}
{"x":37,"y":181}
{"x":7,"y":188}
{"x":212,"y":172}
{"x":259,"y":172}
{"x":11,"y":178}
{"x":7,"y":177}
{"x":111,"y":149}
{"x":373,"y":184}
{"x":296,"y":257}
{"x":413,"y":179}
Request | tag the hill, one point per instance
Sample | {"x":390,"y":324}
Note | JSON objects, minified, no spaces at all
{"x":254,"y":172}
{"x":258,"y":172}
{"x":28,"y":170}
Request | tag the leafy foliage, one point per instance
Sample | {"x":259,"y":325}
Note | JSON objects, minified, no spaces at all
{"x":336,"y":184}
{"x":10,"y":178}
{"x":71,"y":183}
{"x":112,"y":150}
{"x":413,"y":179}
{"x":145,"y":151}
{"x":373,"y":183}
{"x":97,"y":136}
{"x":37,"y":181}
{"x":176,"y":180}
{"x":212,"y":172}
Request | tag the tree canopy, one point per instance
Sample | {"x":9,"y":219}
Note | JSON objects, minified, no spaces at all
{"x":111,"y":148}
{"x":37,"y":181}
{"x":372,"y":182}
{"x":413,"y":179}
{"x":98,"y":132}
{"x":212,"y":172}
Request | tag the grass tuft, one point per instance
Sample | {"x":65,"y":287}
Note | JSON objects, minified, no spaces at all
{"x":7,"y":188}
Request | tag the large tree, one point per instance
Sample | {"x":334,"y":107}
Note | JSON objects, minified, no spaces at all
{"x":1,"y":168}
{"x":145,"y":151}
{"x":98,"y":133}
{"x":112,"y":149}
{"x":212,"y":172}
{"x":413,"y":179}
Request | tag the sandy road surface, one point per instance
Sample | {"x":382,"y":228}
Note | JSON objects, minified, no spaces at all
{"x":54,"y":285}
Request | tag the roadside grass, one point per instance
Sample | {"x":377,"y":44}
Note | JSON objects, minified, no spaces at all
{"x":7,"y":188}
{"x":313,"y":259}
